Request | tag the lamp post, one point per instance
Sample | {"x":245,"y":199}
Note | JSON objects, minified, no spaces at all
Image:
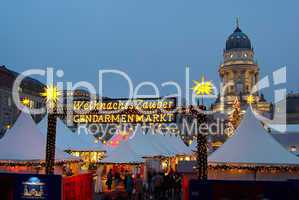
{"x":51,"y":95}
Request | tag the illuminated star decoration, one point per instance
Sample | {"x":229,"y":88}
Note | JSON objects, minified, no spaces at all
{"x":51,"y":94}
{"x":26,"y":101}
{"x":203,"y":87}
{"x":250,"y":99}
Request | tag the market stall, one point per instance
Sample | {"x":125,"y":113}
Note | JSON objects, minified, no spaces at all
{"x":23,"y":149}
{"x":252,"y":154}
{"x":81,"y":145}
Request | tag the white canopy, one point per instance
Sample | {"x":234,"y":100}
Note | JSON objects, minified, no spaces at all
{"x":145,"y":146}
{"x":90,"y":141}
{"x":193,"y":145}
{"x":149,"y":145}
{"x":172,"y":144}
{"x":179,"y":145}
{"x":251,"y":144}
{"x":123,"y":154}
{"x":25,"y":142}
{"x":68,"y":140}
{"x":158,"y":144}
{"x":163,"y":144}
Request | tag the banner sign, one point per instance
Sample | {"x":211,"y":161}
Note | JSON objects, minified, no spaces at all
{"x":153,"y":110}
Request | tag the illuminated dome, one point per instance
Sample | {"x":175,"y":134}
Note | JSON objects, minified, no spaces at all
{"x":238,"y":40}
{"x":34,"y":180}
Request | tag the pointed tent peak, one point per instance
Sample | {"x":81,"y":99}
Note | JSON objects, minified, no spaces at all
{"x":143,"y":145}
{"x":66,"y":139}
{"x":24,"y":122}
{"x":249,"y":123}
{"x":33,"y":142}
{"x":252,"y":144}
{"x":178,"y":144}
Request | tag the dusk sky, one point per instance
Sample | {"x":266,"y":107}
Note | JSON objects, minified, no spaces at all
{"x":149,"y":40}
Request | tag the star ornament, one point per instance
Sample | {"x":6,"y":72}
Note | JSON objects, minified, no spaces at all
{"x":250,"y":99}
{"x":26,"y":101}
{"x":203,"y":87}
{"x":51,"y":95}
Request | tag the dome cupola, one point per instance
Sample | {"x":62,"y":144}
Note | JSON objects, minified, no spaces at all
{"x":238,"y":40}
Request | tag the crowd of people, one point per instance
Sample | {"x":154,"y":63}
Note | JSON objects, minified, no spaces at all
{"x":164,"y":185}
{"x":158,"y":185}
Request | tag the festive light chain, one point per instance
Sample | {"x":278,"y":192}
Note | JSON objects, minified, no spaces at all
{"x":51,"y":137}
{"x":202,"y":154}
{"x":256,"y":168}
{"x":35,"y":163}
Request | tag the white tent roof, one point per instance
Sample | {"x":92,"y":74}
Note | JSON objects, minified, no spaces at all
{"x":161,"y":142}
{"x":144,"y":145}
{"x":90,"y":141}
{"x":251,"y":144}
{"x":149,"y":144}
{"x":193,"y":145}
{"x":25,"y":142}
{"x":178,"y":144}
{"x":68,"y":140}
{"x":123,"y":154}
{"x":107,"y":148}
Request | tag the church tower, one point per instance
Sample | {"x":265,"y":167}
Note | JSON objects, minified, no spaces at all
{"x":239,"y":73}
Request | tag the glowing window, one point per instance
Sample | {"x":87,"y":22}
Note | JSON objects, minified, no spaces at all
{"x":293,"y":148}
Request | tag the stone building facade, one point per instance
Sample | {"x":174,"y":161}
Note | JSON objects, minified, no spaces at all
{"x":30,"y":89}
{"x":239,"y":73}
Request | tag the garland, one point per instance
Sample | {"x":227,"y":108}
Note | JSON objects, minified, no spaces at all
{"x":35,"y":163}
{"x":256,"y":168}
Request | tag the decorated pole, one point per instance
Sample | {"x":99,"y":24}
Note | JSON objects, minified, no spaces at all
{"x":51,"y":95}
{"x":236,"y":115}
{"x":51,"y":139}
{"x":202,"y":157}
{"x":202,"y":148}
{"x":202,"y":88}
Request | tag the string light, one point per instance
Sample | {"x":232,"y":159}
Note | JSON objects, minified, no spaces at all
{"x":51,"y":95}
{"x":12,"y":163}
{"x":236,"y":116}
{"x":266,"y":168}
{"x":51,"y":139}
{"x":202,"y":153}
